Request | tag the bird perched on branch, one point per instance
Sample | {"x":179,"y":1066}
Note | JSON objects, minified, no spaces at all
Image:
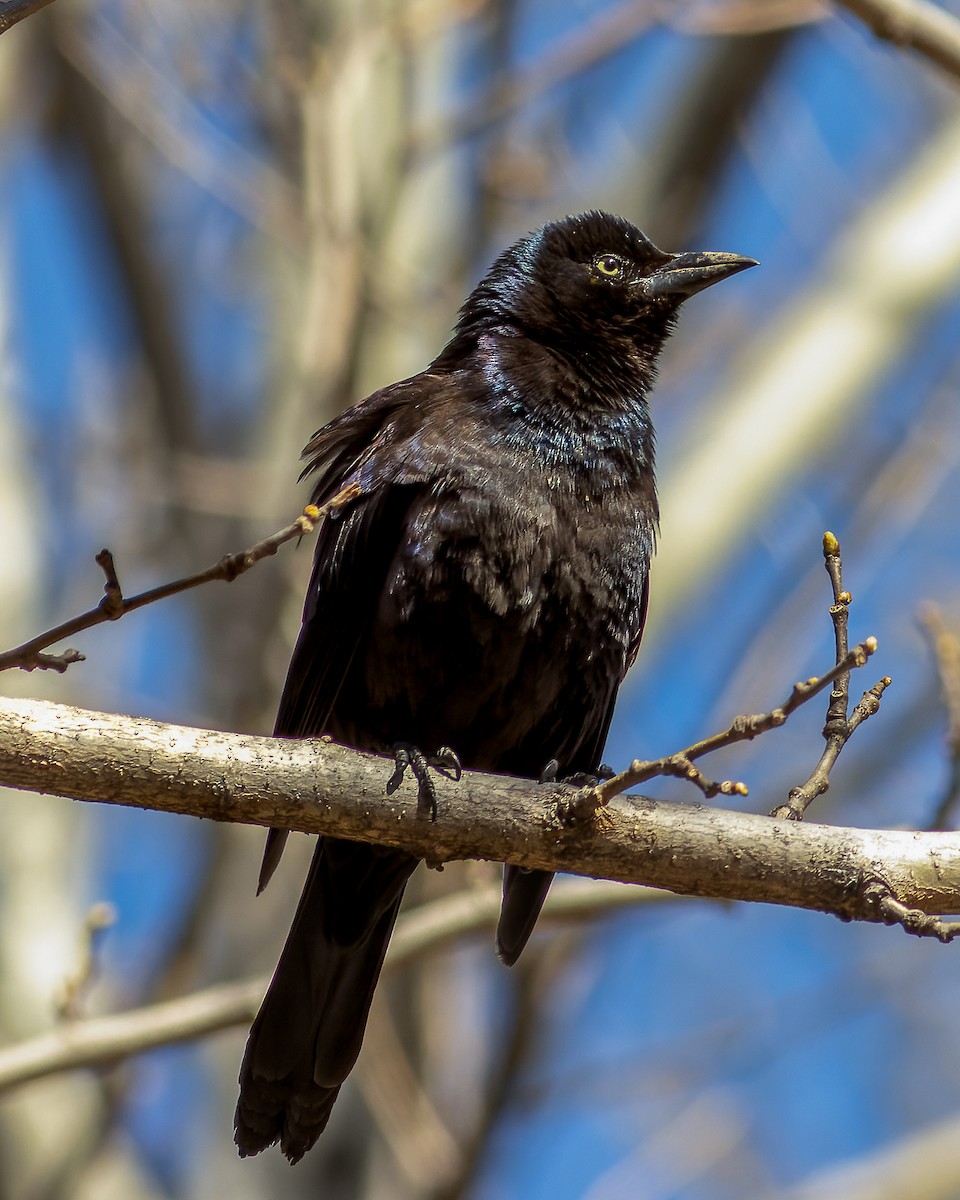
{"x":485,"y":590}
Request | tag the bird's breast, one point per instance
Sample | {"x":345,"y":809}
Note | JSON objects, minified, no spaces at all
{"x":534,"y":548}
{"x":508,"y":599}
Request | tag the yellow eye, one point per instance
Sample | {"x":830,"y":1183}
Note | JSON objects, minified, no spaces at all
{"x":609,"y":265}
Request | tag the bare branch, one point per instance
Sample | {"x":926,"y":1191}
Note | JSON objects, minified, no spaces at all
{"x":915,"y":24}
{"x":586,"y":46}
{"x":103,"y":1040}
{"x":595,"y":41}
{"x":320,"y":787}
{"x":742,"y":729}
{"x":15,"y":10}
{"x":113,"y":606}
{"x":891,"y":911}
{"x":162,"y":113}
{"x":740,"y":17}
{"x":838,"y":729}
{"x":840,"y":615}
{"x":837,"y":737}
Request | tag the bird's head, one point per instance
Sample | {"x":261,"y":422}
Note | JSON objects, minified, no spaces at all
{"x":590,"y":279}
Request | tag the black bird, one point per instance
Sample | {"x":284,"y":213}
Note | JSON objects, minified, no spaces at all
{"x":486,"y":590}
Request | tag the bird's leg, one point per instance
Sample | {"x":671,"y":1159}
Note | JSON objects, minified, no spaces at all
{"x":410,"y":757}
{"x":589,"y":778}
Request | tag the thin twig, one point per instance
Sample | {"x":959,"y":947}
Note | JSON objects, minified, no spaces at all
{"x":113,"y":606}
{"x":878,"y":895}
{"x":840,"y":615}
{"x":837,"y":728}
{"x":74,"y":989}
{"x":743,"y":728}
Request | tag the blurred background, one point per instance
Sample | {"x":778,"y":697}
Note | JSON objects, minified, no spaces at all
{"x":224,"y":221}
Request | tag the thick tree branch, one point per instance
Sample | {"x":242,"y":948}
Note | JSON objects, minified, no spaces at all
{"x":15,"y":10}
{"x":318,"y":786}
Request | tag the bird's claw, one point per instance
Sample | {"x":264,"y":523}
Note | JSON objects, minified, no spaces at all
{"x":447,"y":762}
{"x":551,"y":771}
{"x":570,"y":809}
{"x":407,"y":757}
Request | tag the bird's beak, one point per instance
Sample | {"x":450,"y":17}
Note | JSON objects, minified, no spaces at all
{"x":684,"y":275}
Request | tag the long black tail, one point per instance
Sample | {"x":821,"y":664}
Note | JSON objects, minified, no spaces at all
{"x":308,"y":1032}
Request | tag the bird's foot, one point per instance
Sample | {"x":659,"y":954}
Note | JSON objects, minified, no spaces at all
{"x":407,"y":757}
{"x":571,"y":809}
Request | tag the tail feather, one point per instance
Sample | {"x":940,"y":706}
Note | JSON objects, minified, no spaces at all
{"x":272,"y":851}
{"x":308,"y":1032}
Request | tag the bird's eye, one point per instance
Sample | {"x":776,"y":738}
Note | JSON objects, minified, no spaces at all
{"x":609,"y":265}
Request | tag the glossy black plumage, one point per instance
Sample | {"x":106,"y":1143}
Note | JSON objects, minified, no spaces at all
{"x":486,"y":590}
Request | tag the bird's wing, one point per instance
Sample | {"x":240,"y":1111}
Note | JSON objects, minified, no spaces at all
{"x":644,"y":605}
{"x":354,"y":549}
{"x":353,"y":555}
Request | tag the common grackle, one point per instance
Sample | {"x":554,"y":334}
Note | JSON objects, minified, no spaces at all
{"x":486,"y":590}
